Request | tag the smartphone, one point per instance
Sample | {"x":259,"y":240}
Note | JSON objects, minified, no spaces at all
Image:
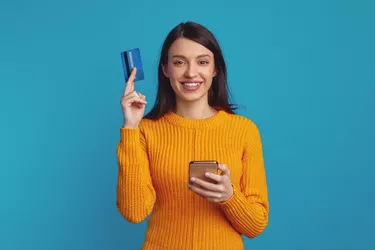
{"x":130,"y":59}
{"x":199,"y":168}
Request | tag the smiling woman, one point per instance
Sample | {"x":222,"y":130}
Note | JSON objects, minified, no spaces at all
{"x":191,"y":70}
{"x":191,"y":57}
{"x":192,"y":120}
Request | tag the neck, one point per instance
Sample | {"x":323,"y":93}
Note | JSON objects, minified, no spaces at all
{"x":194,"y":110}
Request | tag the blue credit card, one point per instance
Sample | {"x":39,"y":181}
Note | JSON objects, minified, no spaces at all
{"x":132,"y":58}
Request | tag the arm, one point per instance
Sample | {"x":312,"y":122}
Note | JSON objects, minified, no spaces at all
{"x":247,"y":209}
{"x":135,"y":193}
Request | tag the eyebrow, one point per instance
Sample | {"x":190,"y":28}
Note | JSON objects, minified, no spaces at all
{"x":204,"y":55}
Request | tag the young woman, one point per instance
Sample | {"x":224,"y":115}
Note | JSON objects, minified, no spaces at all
{"x":191,"y":120}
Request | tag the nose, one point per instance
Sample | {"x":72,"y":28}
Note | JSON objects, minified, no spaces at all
{"x":191,"y":71}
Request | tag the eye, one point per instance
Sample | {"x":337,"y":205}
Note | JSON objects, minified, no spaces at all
{"x":178,"y":62}
{"x":204,"y":62}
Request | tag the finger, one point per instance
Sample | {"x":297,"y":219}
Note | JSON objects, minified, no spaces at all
{"x":214,"y":177}
{"x":142,"y":96}
{"x":204,"y":193}
{"x":130,"y":83}
{"x":131,"y":94}
{"x":135,"y":99}
{"x":207,"y":185}
{"x":216,"y":200}
{"x":225,"y":170}
{"x":130,"y":100}
{"x":143,"y":104}
{"x":140,"y":105}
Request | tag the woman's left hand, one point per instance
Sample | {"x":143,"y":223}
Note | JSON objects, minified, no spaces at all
{"x":219,"y":192}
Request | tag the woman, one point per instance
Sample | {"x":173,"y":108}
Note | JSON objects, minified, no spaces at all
{"x":191,"y":120}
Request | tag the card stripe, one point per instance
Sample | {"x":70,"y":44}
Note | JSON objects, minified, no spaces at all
{"x":131,"y":60}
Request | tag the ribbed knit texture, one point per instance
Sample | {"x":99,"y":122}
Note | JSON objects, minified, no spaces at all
{"x":153,"y":175}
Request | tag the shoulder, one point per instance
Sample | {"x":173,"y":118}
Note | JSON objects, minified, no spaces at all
{"x":243,"y":122}
{"x":248,"y":130}
{"x":148,"y":125}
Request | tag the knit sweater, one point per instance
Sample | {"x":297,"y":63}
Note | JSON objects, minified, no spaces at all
{"x":153,"y":175}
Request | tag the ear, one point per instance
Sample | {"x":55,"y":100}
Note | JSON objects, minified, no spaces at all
{"x":165,"y":71}
{"x":215,"y":73}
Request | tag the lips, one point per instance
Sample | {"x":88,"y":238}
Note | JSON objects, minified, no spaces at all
{"x":191,"y":85}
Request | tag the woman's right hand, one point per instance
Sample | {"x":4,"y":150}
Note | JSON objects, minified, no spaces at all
{"x":133,"y":103}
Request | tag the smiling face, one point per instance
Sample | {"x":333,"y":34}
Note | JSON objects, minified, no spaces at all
{"x":190,"y":69}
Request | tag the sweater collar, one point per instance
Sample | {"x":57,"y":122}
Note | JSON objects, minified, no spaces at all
{"x":210,"y":122}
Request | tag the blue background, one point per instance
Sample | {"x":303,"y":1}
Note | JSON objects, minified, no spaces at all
{"x":304,"y":70}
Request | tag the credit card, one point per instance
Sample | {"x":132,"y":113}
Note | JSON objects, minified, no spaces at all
{"x":132,"y":58}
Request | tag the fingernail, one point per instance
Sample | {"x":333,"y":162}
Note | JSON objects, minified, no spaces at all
{"x":192,"y":179}
{"x":207,"y":174}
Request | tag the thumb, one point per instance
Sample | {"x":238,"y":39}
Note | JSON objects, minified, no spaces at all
{"x":224,"y":169}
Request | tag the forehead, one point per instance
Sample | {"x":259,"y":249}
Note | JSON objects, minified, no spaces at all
{"x":187,"y":48}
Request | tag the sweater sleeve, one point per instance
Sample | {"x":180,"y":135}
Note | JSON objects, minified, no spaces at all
{"x":135,"y":193}
{"x":248,"y":208}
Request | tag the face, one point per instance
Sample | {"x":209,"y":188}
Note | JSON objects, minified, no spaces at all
{"x":190,"y":69}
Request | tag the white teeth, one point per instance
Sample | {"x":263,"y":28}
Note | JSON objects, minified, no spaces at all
{"x":192,"y":84}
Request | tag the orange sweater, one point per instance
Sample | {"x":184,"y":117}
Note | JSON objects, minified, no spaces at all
{"x":153,"y":174}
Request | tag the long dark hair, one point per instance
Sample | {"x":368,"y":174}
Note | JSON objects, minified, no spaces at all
{"x":218,"y":94}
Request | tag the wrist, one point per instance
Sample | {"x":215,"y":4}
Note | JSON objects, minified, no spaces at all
{"x":129,"y":126}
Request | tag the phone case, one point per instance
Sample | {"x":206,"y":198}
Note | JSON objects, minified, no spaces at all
{"x":199,"y":168}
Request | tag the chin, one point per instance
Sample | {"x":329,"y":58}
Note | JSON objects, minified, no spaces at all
{"x":192,"y":97}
